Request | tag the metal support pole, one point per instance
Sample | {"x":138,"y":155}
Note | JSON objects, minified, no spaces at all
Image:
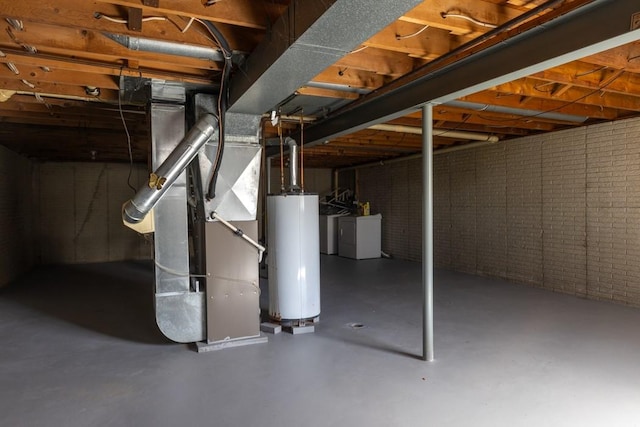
{"x":427,"y":232}
{"x":268,"y":183}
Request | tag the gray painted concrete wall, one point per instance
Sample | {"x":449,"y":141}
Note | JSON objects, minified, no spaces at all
{"x":80,"y":220}
{"x":559,"y":211}
{"x":16,"y":215}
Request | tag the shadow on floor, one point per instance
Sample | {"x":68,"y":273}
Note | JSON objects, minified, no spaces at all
{"x":114,"y":299}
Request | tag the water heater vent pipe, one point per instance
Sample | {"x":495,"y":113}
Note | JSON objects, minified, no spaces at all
{"x":293,"y":164}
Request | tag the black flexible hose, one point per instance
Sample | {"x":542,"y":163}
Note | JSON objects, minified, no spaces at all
{"x":222,"y":107}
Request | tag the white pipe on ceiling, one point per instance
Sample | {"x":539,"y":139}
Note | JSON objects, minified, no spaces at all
{"x":456,"y":134}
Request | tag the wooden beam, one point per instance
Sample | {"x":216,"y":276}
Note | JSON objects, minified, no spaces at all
{"x":59,"y":77}
{"x":81,"y":15}
{"x":593,"y":76}
{"x":327,"y":93}
{"x":87,"y":44}
{"x":536,"y":88}
{"x":379,"y":61}
{"x":429,"y":13}
{"x":351,"y":77}
{"x":541,"y":104}
{"x":429,"y":44}
{"x":244,"y":13}
{"x":58,"y":90}
{"x":115,"y":69}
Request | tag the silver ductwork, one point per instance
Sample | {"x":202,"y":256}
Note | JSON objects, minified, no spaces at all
{"x":293,"y":164}
{"x":137,"y":208}
{"x":169,"y":48}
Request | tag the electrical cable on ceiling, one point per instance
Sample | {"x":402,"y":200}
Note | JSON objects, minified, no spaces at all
{"x":99,"y":15}
{"x":126,"y":130}
{"x":13,"y":68}
{"x":223,"y":99}
{"x":468,"y":18}
{"x":595,"y":70}
{"x":360,"y":49}
{"x":408,"y":36}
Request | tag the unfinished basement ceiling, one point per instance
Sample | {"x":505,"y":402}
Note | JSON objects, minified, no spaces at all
{"x":61,"y":69}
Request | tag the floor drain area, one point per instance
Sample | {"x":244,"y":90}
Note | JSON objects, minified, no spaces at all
{"x":355,"y":325}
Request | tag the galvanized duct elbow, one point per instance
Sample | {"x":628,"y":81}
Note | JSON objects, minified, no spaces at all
{"x":145,"y":199}
{"x":293,"y":164}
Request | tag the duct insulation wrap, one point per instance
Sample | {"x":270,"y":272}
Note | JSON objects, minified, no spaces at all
{"x":293,"y":256}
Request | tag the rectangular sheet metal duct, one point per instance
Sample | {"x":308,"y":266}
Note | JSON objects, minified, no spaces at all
{"x":309,"y":37}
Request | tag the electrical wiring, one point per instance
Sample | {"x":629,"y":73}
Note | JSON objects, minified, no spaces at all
{"x":99,"y":15}
{"x":13,"y":68}
{"x":468,"y":18}
{"x":222,"y":102}
{"x":408,"y":36}
{"x":126,"y":131}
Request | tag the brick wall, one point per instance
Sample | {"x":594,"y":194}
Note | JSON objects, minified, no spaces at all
{"x":16,"y":216}
{"x":80,"y":213}
{"x":559,"y":211}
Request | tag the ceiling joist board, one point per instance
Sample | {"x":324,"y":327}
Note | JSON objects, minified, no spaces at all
{"x":39,"y":113}
{"x":430,"y":13}
{"x":463,"y":116}
{"x":356,"y":144}
{"x":541,"y":105}
{"x":594,"y":97}
{"x":429,"y":44}
{"x":625,"y":57}
{"x":242,"y":13}
{"x":29,"y":103}
{"x":378,"y":61}
{"x":91,"y":67}
{"x":590,"y":76}
{"x":351,"y":151}
{"x":81,"y":124}
{"x":506,"y":131}
{"x":352,"y":78}
{"x":81,"y":15}
{"x":106,"y":95}
{"x":54,"y":76}
{"x":77,"y":44}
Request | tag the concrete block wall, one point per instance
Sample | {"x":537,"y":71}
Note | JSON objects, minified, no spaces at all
{"x":79,"y":216}
{"x":17,"y":253}
{"x":559,"y":211}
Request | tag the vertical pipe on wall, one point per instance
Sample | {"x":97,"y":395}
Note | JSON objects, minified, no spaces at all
{"x":427,"y":232}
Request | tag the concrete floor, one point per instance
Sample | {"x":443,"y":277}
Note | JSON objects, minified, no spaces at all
{"x":79,"y":347}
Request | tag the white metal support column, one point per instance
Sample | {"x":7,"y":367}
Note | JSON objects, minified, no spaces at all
{"x":427,"y":232}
